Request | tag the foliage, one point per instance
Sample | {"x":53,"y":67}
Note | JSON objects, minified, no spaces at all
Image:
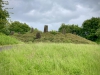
{"x":5,"y":31}
{"x":48,"y":37}
{"x":3,"y":14}
{"x":36,"y":30}
{"x":90,"y":27}
{"x":74,"y":29}
{"x":6,"y":40}
{"x":38,"y":35}
{"x":51,"y":59}
{"x":98,"y":32}
{"x":53,"y":32}
{"x":19,"y":27}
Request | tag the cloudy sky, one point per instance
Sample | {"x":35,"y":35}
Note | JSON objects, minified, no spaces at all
{"x":37,"y":13}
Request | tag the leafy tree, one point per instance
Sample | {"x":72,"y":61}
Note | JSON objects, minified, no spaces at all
{"x":5,"y":30}
{"x":53,"y":32}
{"x":62,"y":28}
{"x":74,"y":29}
{"x":19,"y":27}
{"x":3,"y":14}
{"x":98,"y":33}
{"x":90,"y":27}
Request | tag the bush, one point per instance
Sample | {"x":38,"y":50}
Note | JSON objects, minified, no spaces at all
{"x":6,"y":40}
{"x":53,"y":32}
{"x":19,"y":27}
{"x":5,"y":31}
{"x":38,"y":35}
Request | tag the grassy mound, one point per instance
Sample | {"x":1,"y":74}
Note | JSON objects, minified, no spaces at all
{"x":6,"y":40}
{"x":52,"y":37}
{"x":51,"y":59}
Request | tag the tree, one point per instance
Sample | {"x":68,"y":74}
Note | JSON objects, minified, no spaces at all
{"x":90,"y":27}
{"x":98,"y":33}
{"x":19,"y":27}
{"x":64,"y":28}
{"x":3,"y":14}
{"x":74,"y":29}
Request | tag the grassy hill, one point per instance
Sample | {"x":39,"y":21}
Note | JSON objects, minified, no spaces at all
{"x":7,"y":40}
{"x":52,"y":37}
{"x":51,"y":59}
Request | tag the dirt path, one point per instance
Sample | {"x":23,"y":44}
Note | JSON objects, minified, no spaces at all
{"x":5,"y":47}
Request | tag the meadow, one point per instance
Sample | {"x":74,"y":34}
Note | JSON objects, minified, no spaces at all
{"x":51,"y":59}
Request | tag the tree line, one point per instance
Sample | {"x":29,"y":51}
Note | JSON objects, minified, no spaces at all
{"x":90,"y":28}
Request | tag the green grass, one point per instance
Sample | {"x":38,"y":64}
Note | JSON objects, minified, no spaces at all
{"x":6,"y":40}
{"x":51,"y":59}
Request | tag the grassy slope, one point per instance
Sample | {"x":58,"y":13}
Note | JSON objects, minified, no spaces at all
{"x":51,"y":59}
{"x":48,"y":37}
{"x":6,"y":40}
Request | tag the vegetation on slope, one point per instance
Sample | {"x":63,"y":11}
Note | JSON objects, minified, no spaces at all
{"x":6,"y":40}
{"x":51,"y":59}
{"x":56,"y":37}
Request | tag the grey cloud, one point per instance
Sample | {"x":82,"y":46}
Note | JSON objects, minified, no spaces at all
{"x":93,"y":4}
{"x":54,"y":12}
{"x":67,"y":4}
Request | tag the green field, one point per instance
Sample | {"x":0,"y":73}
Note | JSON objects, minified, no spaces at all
{"x":51,"y":59}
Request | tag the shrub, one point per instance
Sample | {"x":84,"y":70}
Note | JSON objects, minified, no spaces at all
{"x":53,"y":32}
{"x":38,"y":35}
{"x":5,"y":31}
{"x":6,"y":40}
{"x":19,"y":27}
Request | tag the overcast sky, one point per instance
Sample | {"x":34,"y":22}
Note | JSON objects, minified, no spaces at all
{"x":37,"y":13}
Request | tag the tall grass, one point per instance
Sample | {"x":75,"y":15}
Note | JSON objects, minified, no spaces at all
{"x":51,"y":59}
{"x":6,"y":40}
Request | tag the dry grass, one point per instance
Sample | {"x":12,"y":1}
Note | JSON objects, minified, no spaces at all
{"x":49,"y":37}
